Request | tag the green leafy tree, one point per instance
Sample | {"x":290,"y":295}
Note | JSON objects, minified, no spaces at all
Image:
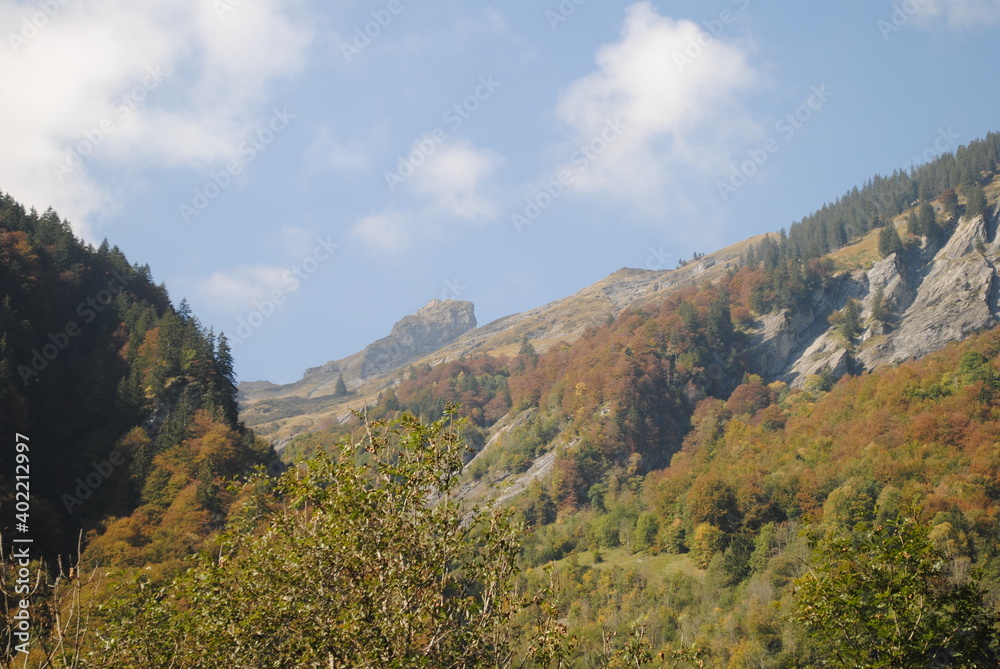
{"x":707,"y":541}
{"x":362,"y":559}
{"x":880,"y":596}
{"x":646,"y":528}
{"x":736,"y":558}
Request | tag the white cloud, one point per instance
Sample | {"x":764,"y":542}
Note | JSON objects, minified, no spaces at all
{"x":78,"y":84}
{"x":385,"y":231}
{"x":682,"y":108}
{"x":451,"y":186}
{"x":455,"y":179}
{"x":960,"y":13}
{"x":296,"y":252}
{"x":239,"y":289}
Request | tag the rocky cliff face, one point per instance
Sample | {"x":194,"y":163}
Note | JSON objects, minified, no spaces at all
{"x":955,"y":296}
{"x":934,"y":296}
{"x":436,"y":325}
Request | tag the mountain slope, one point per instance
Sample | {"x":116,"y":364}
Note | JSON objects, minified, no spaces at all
{"x":934,"y":293}
{"x":435,"y":325}
{"x":282,"y":411}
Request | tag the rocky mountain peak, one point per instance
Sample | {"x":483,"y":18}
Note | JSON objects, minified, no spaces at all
{"x":432,"y":327}
{"x":435,"y":325}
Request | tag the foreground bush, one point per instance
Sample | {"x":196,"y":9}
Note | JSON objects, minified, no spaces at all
{"x":361,"y":559}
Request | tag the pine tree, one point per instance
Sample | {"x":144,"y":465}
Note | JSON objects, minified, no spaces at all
{"x":718,"y":323}
{"x":340,"y":390}
{"x":528,"y":351}
{"x":927,"y":222}
{"x":880,"y":310}
{"x":848,"y":320}
{"x":226,"y":379}
{"x":889,"y":241}
{"x":976,"y":204}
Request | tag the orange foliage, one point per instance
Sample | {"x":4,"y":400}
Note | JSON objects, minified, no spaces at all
{"x":215,"y":443}
{"x":921,"y":427}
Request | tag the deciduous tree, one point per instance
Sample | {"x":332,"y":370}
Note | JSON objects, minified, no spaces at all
{"x":880,"y":596}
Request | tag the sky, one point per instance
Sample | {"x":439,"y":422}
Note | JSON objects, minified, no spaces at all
{"x":306,"y":173}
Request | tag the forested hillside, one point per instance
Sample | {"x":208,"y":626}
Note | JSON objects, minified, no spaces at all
{"x":128,"y":401}
{"x":787,"y":261}
{"x":699,"y":556}
{"x":918,"y":441}
{"x":649,"y":494}
{"x":662,"y":473}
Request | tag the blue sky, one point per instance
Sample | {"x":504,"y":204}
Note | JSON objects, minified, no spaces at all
{"x":307,"y":173}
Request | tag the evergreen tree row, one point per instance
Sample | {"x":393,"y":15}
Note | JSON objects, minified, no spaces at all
{"x":788,"y":260}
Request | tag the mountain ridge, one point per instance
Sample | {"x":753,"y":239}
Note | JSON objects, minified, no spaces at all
{"x":280,"y":411}
{"x":785,"y":346}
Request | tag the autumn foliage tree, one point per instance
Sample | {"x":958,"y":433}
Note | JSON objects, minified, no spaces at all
{"x":360,"y":559}
{"x":881,"y":596}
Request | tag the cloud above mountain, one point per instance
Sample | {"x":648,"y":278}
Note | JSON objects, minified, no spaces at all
{"x":666,"y":99}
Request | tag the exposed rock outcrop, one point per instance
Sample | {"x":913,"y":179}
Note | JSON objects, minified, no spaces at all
{"x":435,"y":325}
{"x":789,"y":346}
{"x":932,"y":298}
{"x":955,"y":298}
